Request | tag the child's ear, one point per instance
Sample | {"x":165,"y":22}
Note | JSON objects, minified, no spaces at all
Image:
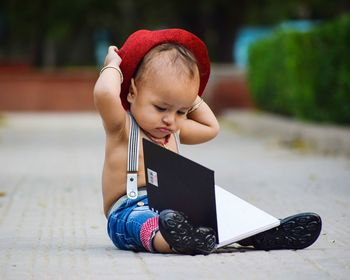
{"x":132,"y":92}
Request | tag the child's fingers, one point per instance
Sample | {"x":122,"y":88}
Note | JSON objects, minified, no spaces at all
{"x":112,"y":55}
{"x":112,"y":49}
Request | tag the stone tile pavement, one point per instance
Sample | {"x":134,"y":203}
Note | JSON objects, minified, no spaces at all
{"x":52,"y":225}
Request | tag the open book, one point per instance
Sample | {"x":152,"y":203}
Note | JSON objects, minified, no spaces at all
{"x":175,"y":182}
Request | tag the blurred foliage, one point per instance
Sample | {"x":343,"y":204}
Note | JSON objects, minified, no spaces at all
{"x":49,"y":32}
{"x":305,"y":75}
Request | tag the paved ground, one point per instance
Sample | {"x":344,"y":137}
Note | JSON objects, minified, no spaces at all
{"x":52,"y":226}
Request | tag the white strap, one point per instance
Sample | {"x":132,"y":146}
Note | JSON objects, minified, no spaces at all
{"x":177,"y":141}
{"x":133,"y":159}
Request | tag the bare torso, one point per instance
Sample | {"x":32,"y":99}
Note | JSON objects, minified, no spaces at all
{"x":115,"y":165}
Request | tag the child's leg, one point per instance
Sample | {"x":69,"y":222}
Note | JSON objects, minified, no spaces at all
{"x":295,"y":232}
{"x":133,"y":225}
{"x":160,"y":245}
{"x":151,"y":238}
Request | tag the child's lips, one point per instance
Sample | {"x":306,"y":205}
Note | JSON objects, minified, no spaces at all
{"x":164,"y":130}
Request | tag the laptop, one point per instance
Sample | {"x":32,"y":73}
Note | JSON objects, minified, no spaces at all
{"x":178,"y":183}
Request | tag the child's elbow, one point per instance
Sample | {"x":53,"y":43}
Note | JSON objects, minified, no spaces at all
{"x":101,"y":95}
{"x":102,"y":88}
{"x":215,"y":129}
{"x":101,"y":92}
{"x":97,"y":90}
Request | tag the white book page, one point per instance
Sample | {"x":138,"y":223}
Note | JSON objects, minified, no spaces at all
{"x":237,"y":219}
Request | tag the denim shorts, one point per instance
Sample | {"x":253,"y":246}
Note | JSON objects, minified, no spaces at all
{"x":124,"y":223}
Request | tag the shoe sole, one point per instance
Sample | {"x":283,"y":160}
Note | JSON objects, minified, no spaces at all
{"x":183,"y":237}
{"x":294,"y":232}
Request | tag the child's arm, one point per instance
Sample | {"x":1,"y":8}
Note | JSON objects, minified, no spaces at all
{"x":106,"y":93}
{"x":200,"y":126}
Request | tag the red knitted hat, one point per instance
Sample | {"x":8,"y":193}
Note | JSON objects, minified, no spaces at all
{"x":142,"y":41}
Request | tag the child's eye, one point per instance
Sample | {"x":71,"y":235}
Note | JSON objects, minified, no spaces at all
{"x":160,"y":109}
{"x":181,"y":113}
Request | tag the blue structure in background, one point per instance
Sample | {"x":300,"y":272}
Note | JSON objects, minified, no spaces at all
{"x":245,"y":37}
{"x":248,"y":35}
{"x":297,"y":25}
{"x":101,"y":38}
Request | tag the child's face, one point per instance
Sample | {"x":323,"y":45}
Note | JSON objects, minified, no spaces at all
{"x":161,"y":100}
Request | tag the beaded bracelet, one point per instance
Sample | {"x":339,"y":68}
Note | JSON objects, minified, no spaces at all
{"x":196,"y":106}
{"x":116,"y":68}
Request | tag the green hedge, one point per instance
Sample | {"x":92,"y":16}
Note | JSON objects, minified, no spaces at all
{"x":304,"y":75}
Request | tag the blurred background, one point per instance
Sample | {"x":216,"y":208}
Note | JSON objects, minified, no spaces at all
{"x":265,"y":53}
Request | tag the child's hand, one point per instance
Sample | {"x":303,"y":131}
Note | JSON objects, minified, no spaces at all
{"x":112,"y":57}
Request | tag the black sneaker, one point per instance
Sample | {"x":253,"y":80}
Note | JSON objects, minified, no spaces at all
{"x":183,"y":237}
{"x":294,"y":232}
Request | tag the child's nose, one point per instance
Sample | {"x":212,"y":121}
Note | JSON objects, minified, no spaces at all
{"x":169,"y":119}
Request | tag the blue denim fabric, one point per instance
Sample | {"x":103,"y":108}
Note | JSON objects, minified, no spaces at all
{"x":124,"y":224}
